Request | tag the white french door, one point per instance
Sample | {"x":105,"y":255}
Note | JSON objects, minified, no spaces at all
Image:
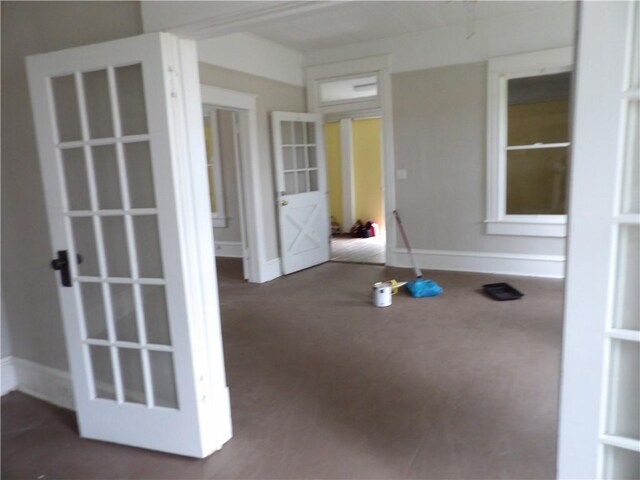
{"x":599,"y":434}
{"x":126,"y":193}
{"x":301,"y":181}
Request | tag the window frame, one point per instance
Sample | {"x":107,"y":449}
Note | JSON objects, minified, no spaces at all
{"x":499,"y":71}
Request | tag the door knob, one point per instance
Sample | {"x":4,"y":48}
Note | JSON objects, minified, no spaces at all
{"x":284,"y":203}
{"x":62,"y":264}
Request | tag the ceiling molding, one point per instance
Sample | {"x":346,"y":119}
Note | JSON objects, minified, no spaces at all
{"x":236,"y":21}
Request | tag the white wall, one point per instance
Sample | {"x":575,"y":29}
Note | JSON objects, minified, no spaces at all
{"x":549,"y":27}
{"x":251,"y":54}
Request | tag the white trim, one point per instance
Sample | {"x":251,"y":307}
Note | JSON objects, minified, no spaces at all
{"x":273,"y":270}
{"x":8,"y":375}
{"x":348,"y":191}
{"x":46,"y":383}
{"x":527,"y":229}
{"x":499,"y":70}
{"x":549,"y":266}
{"x":229,"y":249}
{"x":251,"y":191}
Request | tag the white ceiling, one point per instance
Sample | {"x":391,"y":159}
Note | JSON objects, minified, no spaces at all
{"x":345,"y":23}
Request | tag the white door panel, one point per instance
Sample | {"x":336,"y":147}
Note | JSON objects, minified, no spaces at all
{"x":107,"y":126}
{"x":303,"y":219}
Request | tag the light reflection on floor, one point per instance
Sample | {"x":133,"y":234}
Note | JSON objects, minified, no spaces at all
{"x":358,"y":250}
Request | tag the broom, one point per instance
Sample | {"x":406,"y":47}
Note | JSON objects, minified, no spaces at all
{"x":421,"y":287}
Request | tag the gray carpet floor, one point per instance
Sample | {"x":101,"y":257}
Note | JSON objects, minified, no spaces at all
{"x":324,"y":385}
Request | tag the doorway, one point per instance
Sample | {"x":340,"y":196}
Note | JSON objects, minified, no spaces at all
{"x":223,"y":138}
{"x":355,"y":166}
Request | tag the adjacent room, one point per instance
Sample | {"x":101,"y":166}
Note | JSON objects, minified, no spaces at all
{"x":200,"y":201}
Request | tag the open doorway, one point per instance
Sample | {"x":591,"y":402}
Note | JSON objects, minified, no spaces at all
{"x":222,"y":130}
{"x":355,"y":173}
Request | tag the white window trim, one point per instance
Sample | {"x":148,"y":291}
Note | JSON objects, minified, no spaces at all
{"x":218,"y":218}
{"x":500,"y":70}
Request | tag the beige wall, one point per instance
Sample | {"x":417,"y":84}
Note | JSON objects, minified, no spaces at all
{"x":272,"y":95}
{"x":29,"y":291}
{"x":439,"y":120}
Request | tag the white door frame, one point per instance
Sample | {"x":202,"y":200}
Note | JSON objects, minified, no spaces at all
{"x":256,"y":258}
{"x":381,"y":65}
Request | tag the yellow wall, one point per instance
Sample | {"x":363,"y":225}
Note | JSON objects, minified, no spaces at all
{"x":367,"y":170}
{"x":334,"y":171}
{"x":536,"y":179}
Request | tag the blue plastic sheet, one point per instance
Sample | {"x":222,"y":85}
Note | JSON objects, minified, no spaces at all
{"x":424,"y":288}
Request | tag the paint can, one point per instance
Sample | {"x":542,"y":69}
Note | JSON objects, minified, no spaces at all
{"x":382,"y":294}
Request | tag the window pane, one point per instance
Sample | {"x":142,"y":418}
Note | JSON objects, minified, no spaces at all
{"x":627,"y":305}
{"x":96,"y":93}
{"x":621,"y":464}
{"x":105,"y":166}
{"x":298,"y":133}
{"x":301,"y":159}
{"x":132,"y":376}
{"x":349,"y":89}
{"x":139,"y":175}
{"x":148,"y":246}
{"x":156,"y":314}
{"x":84,"y":240}
{"x":102,"y":372}
{"x":287,"y":133}
{"x":75,"y":176}
{"x":624,"y":401}
{"x":124,"y":312}
{"x":287,"y":156}
{"x":538,"y":109}
{"x":65,"y":99}
{"x":133,"y":114}
{"x":536,"y":181}
{"x":163,"y":377}
{"x":289,"y":183}
{"x":93,"y":310}
{"x":115,"y":245}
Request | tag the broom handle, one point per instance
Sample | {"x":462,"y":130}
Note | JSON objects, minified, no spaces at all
{"x":406,"y":242}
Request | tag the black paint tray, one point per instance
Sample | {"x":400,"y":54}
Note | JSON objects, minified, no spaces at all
{"x":502,"y":291}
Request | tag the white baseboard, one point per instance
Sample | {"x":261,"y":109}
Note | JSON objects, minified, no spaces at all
{"x":550,"y":266}
{"x":46,"y":383}
{"x":270,"y":270}
{"x":8,"y":375}
{"x":228,"y":249}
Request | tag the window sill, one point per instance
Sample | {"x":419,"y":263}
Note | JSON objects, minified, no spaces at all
{"x":526,"y":229}
{"x":219,"y":222}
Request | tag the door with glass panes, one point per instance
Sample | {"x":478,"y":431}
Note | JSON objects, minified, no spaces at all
{"x":134,"y":266}
{"x":301,"y":184}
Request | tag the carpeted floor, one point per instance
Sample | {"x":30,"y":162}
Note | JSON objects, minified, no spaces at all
{"x":323,"y":385}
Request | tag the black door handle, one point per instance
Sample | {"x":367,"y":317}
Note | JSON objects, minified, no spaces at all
{"x":62,"y":263}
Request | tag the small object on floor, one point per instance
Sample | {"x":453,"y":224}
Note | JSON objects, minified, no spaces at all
{"x":381,"y":294}
{"x":335,"y":226}
{"x":502,"y":291}
{"x":424,"y":288}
